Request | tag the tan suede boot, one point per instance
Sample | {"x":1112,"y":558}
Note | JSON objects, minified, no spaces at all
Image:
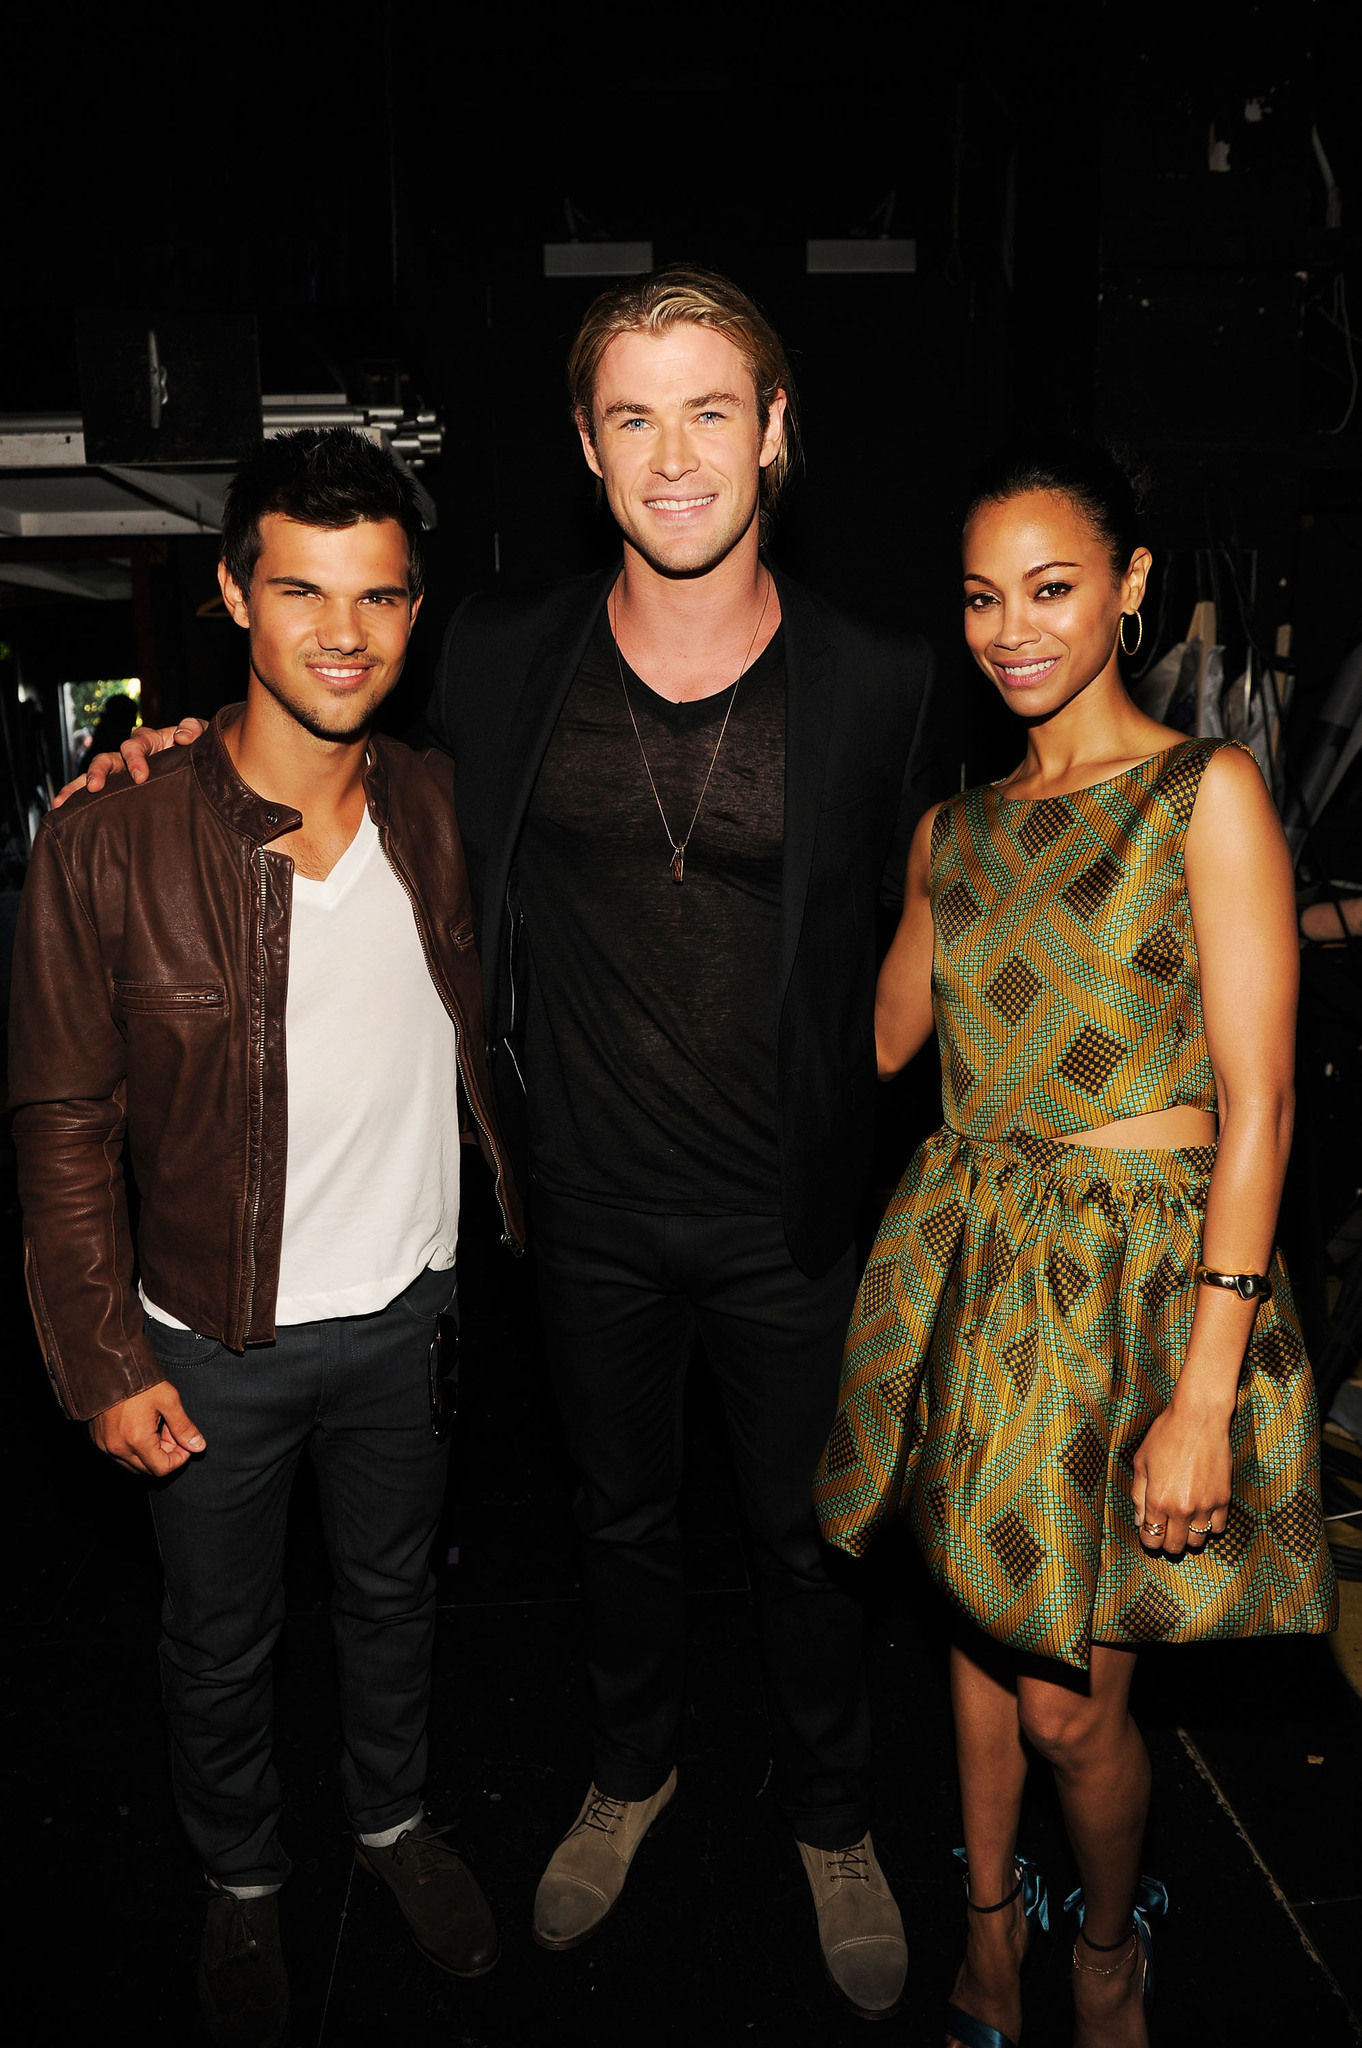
{"x":859,"y":1928}
{"x":579,"y":1890}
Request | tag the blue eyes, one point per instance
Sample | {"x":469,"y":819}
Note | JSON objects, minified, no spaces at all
{"x":700,"y":418}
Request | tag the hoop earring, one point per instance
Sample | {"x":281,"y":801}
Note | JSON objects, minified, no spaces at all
{"x":1121,"y":634}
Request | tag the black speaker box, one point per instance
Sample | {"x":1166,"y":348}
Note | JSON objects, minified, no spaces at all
{"x":170,"y":387}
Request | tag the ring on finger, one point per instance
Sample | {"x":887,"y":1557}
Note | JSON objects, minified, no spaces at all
{"x":1192,"y":1530}
{"x":1151,"y":1528}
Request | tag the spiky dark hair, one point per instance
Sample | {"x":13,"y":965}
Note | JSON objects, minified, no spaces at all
{"x":320,"y":476}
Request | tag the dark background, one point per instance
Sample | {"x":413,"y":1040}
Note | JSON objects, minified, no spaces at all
{"x":381,"y":207}
{"x":375,"y":190}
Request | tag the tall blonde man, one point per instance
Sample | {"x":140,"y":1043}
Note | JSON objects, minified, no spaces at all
{"x":684,"y":786}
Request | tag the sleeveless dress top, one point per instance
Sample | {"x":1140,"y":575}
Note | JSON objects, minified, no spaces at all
{"x":1027,"y":1303}
{"x":1065,"y":982}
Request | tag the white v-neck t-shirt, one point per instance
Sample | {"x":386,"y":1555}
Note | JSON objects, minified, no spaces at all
{"x":371,"y":1194}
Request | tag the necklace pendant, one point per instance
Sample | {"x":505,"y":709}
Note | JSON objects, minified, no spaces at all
{"x":678,"y":863}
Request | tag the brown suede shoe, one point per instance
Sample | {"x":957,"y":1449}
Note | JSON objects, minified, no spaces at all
{"x":859,"y":1928}
{"x":441,"y":1900}
{"x":586,"y":1872}
{"x":243,"y":1986}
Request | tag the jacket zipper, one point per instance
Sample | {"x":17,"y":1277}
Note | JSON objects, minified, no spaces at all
{"x":259,"y":1097}
{"x":513,"y":928}
{"x":172,"y":996}
{"x":515,"y":919}
{"x":451,"y":1012}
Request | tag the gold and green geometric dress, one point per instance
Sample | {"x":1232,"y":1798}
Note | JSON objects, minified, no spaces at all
{"x":1027,"y":1304}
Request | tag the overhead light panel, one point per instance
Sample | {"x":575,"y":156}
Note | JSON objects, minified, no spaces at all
{"x":860,"y":255}
{"x":597,"y":259}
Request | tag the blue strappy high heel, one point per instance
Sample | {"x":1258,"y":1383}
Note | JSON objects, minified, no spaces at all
{"x":1150,"y":1897}
{"x":1030,"y":1885}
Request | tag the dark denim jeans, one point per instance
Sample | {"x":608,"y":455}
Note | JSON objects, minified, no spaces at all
{"x":355,"y":1394}
{"x":623,"y":1297}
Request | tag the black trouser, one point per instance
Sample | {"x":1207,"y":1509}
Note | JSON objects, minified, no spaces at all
{"x":355,"y":1392}
{"x":623,"y":1295}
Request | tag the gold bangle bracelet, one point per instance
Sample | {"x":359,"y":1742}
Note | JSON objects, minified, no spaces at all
{"x":1248,"y":1286}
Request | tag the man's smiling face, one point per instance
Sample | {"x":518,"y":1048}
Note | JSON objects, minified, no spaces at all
{"x":677,"y":439}
{"x":329,"y":614}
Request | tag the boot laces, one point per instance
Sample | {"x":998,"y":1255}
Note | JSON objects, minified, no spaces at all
{"x":239,"y":1939}
{"x":852,"y":1862}
{"x":427,"y":1853}
{"x":602,"y":1812}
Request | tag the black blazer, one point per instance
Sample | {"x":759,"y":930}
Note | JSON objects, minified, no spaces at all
{"x":854,"y":790}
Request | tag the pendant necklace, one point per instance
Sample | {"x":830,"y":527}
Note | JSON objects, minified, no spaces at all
{"x":678,"y":846}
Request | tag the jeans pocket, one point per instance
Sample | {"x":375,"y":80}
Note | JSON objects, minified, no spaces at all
{"x":430,"y":1294}
{"x":179,"y":1349}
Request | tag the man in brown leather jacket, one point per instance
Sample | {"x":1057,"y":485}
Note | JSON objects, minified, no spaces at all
{"x":261,"y":971}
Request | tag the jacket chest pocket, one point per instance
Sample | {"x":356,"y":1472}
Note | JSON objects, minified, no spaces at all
{"x":168,"y":998}
{"x":461,"y":934}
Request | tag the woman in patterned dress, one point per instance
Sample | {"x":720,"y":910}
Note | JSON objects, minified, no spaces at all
{"x":1095,"y":1448}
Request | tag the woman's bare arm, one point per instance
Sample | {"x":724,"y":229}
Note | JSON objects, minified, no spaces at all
{"x":903,"y":994}
{"x":1240,"y":885}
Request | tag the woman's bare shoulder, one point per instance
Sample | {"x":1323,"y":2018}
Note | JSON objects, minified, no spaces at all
{"x":1232,"y":776}
{"x":1234,"y":815}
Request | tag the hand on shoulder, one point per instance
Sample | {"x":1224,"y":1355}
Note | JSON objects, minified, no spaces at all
{"x":134,"y":755}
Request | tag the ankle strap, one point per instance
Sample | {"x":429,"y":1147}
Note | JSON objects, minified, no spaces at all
{"x":998,"y":1907}
{"x":1105,"y":1948}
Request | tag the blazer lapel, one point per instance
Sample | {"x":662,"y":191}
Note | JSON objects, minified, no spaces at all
{"x":547,"y":682}
{"x":810,"y":677}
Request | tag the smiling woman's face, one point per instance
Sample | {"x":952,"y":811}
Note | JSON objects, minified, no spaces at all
{"x":1042,"y":601}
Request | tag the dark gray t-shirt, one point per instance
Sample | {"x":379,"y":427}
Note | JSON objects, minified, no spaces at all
{"x":650,"y":1030}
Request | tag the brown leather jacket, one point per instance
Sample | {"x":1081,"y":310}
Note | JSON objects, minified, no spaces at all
{"x":150,"y":975}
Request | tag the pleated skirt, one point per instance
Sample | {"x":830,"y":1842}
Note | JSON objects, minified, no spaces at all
{"x":1021,"y":1321}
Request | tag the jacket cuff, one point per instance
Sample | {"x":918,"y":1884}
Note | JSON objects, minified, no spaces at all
{"x":89,"y":1375}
